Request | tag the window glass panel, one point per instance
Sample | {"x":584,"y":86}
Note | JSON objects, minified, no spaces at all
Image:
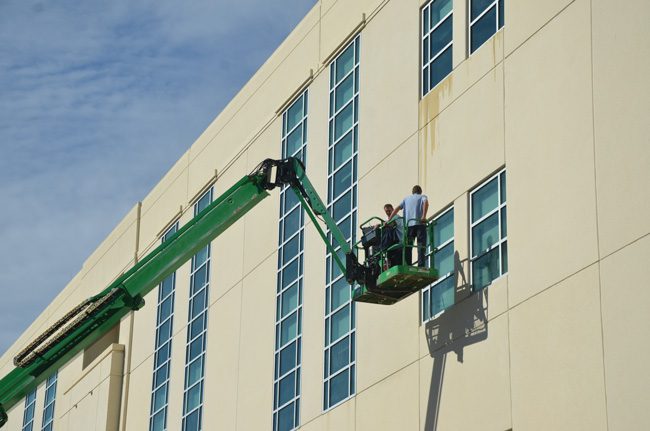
{"x":200,"y":257}
{"x":443,"y":260}
{"x":202,"y":203}
{"x":478,"y":6}
{"x":290,"y":249}
{"x":340,"y":293}
{"x":287,"y":388}
{"x":340,"y":322}
{"x":440,"y":67}
{"x":165,"y":309}
{"x":292,"y":222}
{"x":161,"y":375}
{"x":167,"y":286}
{"x":162,"y":354}
{"x":440,"y":9}
{"x":289,"y":328}
{"x":342,"y":206}
{"x":339,"y":387}
{"x":164,"y":332}
{"x":504,"y":257}
{"x":294,"y":114}
{"x":344,"y":92}
{"x":503,"y":186}
{"x":485,"y":234}
{"x":290,"y":273}
{"x":290,"y":299}
{"x":288,"y":358}
{"x":345,"y":63}
{"x":198,"y":325}
{"x":343,"y":179}
{"x":485,"y":200}
{"x":501,"y":18}
{"x":443,"y":295}
{"x":504,"y":223}
{"x":196,"y":348}
{"x":483,"y":29}
{"x":198,"y":303}
{"x":158,"y":422}
{"x":290,"y":200}
{"x":443,"y":229}
{"x":485,"y":269}
{"x":193,"y":397}
{"x":199,"y":279}
{"x":192,"y":422}
{"x":343,"y":150}
{"x":343,"y":121}
{"x":339,"y":355}
{"x":160,"y":397}
{"x":425,"y":50}
{"x":285,"y":418}
{"x":441,"y":36}
{"x":294,"y":140}
{"x":194,"y":372}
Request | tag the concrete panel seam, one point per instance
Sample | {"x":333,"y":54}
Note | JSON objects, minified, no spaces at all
{"x":593,"y":137}
{"x":546,"y":289}
{"x":539,"y":29}
{"x":625,"y":246}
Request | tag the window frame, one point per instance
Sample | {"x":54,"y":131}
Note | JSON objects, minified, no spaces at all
{"x":500,"y":176}
{"x":425,"y":38}
{"x":29,"y":415}
{"x":295,"y":234}
{"x":192,"y":317}
{"x":500,"y":16}
{"x":441,"y":278}
{"x":349,"y":192}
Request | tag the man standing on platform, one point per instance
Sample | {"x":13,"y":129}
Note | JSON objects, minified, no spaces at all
{"x":415,"y":208}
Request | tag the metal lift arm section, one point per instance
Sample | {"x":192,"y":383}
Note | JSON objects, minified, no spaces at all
{"x":90,"y":320}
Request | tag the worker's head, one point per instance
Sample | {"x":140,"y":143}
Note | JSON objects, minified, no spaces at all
{"x":417,"y":190}
{"x":388,"y":209}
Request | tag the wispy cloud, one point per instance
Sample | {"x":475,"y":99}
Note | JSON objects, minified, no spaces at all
{"x":97,"y":101}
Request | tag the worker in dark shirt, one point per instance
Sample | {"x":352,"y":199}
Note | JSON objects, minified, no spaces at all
{"x":391,"y":234}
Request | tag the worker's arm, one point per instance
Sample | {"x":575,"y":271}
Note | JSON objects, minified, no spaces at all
{"x":425,"y":208}
{"x":395,"y":211}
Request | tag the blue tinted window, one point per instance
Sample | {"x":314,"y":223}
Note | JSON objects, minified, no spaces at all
{"x":486,"y":18}
{"x":289,"y":302}
{"x":437,"y":36}
{"x":489,"y":231}
{"x":341,"y":200}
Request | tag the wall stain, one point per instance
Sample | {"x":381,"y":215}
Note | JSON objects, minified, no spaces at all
{"x":428,"y":139}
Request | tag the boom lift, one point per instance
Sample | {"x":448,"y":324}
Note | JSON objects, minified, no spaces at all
{"x":91,"y":319}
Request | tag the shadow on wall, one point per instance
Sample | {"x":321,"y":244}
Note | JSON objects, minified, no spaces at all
{"x":463,"y":324}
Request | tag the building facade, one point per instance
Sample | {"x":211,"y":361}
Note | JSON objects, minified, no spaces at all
{"x":526,"y":125}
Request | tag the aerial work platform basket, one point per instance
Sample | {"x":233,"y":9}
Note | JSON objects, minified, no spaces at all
{"x":386,"y":256}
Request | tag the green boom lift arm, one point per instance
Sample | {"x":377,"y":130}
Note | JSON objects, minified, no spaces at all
{"x":94,"y":317}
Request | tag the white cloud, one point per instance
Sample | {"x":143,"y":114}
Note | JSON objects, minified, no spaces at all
{"x":98,"y":100}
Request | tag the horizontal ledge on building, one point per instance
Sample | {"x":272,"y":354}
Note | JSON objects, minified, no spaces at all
{"x":355,"y":31}
{"x":295,"y":94}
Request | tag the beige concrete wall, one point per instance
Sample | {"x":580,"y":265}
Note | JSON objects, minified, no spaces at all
{"x":557,"y":96}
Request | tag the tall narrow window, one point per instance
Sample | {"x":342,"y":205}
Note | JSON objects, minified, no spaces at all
{"x":197,"y":331}
{"x":437,"y":35}
{"x":30,"y":407}
{"x":163,"y":347}
{"x":441,"y":294}
{"x":288,"y":320}
{"x":486,"y":18}
{"x":489,"y":231}
{"x":50,"y":398}
{"x":339,"y":361}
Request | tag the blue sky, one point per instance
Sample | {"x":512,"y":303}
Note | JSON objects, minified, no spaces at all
{"x":97,"y":101}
